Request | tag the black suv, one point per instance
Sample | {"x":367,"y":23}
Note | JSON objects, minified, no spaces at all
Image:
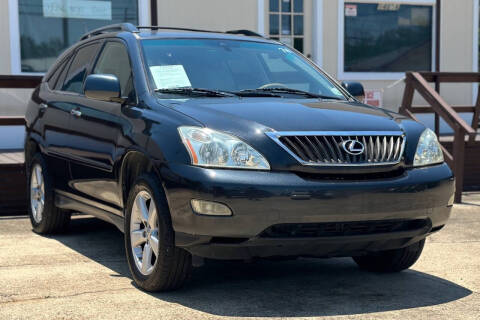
{"x":202,"y":144}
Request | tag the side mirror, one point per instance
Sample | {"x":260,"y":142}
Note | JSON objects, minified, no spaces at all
{"x":355,"y":89}
{"x":104,"y":87}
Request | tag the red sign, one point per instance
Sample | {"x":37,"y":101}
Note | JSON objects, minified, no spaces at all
{"x":350,"y":10}
{"x":373,"y":97}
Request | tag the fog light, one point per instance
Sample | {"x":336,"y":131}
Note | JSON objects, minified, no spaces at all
{"x":210,"y":208}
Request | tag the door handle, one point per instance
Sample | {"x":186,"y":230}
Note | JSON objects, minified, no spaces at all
{"x":76,"y":113}
{"x":43,"y":106}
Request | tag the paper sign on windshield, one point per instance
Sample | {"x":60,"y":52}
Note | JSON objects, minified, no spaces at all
{"x":173,"y":76}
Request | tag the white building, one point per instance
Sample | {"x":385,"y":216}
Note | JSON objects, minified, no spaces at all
{"x":373,"y":42}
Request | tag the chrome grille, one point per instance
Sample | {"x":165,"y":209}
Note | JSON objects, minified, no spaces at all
{"x":327,"y":148}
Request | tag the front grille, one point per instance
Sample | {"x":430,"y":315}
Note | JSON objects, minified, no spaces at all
{"x":337,"y":229}
{"x":330,"y":149}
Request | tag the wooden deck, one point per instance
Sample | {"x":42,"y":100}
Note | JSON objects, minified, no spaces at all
{"x":13,"y":199}
{"x":11,"y":157}
{"x":460,"y":155}
{"x":471,"y":180}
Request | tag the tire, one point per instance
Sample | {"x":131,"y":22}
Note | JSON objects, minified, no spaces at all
{"x":168,"y":267}
{"x":45,"y":217}
{"x":391,"y":260}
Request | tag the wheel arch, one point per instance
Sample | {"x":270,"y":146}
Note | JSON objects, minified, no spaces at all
{"x":32,"y":146}
{"x":134,"y":164}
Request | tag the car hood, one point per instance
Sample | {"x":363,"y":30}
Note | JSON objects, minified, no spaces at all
{"x":287,"y":114}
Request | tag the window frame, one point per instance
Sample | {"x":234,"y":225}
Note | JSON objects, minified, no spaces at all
{"x":14,"y":30}
{"x":291,"y":14}
{"x":343,"y":75}
{"x":317,"y":27}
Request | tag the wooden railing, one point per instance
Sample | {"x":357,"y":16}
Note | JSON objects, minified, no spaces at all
{"x":419,"y":82}
{"x":17,"y":82}
{"x":12,"y":121}
{"x":13,"y":199}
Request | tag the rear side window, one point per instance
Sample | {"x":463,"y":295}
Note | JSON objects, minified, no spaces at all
{"x":63,"y":74}
{"x":114,"y":60}
{"x":78,"y":69}
{"x":54,"y":77}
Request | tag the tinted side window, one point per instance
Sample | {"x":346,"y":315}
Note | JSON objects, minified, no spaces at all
{"x":54,"y":77}
{"x":63,"y":74}
{"x":114,"y":60}
{"x":78,"y":69}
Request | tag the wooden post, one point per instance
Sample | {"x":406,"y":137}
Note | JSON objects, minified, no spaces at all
{"x":475,"y":119}
{"x":407,"y":95}
{"x":459,"y":162}
{"x":437,"y":89}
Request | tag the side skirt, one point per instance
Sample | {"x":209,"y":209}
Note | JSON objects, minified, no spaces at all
{"x":63,"y":201}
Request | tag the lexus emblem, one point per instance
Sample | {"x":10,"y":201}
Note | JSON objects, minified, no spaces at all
{"x":353,"y":147}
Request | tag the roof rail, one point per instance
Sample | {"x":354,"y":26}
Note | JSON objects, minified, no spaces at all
{"x":110,"y":28}
{"x":128,"y":27}
{"x":242,"y":31}
{"x":174,"y":28}
{"x":245,"y":32}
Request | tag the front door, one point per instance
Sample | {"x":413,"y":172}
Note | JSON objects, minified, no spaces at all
{"x":290,"y":22}
{"x":97,"y":127}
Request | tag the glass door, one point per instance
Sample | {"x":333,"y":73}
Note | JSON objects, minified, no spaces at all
{"x":290,"y":21}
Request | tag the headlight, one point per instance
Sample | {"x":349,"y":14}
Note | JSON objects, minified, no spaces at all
{"x":429,"y":150}
{"x":211,"y":148}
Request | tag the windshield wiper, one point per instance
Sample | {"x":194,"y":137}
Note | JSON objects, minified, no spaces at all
{"x":290,"y":90}
{"x":196,"y":91}
{"x":254,"y":93}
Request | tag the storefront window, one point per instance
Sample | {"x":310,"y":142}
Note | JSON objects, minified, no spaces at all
{"x":48,"y":27}
{"x":387,"y":37}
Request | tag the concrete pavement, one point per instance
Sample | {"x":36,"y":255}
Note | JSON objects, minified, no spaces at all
{"x":83,"y":275}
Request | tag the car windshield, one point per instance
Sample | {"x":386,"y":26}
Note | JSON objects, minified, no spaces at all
{"x":230,"y":66}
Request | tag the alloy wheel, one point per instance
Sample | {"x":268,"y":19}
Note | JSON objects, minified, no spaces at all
{"x":37,"y":193}
{"x":144,"y":232}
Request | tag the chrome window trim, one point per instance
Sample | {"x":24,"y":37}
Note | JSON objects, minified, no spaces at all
{"x":276,"y":135}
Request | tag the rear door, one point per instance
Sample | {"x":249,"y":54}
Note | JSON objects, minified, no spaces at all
{"x":97,"y":128}
{"x":53,"y":119}
{"x":63,"y":101}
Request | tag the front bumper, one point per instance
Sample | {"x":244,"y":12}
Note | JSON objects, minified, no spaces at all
{"x":260,"y":200}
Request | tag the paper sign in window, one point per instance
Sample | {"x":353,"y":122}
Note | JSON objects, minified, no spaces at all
{"x":79,"y":9}
{"x":171,"y":76}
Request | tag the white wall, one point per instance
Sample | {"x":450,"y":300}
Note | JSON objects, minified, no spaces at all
{"x":4,"y":38}
{"x":456,"y":45}
{"x":218,"y":15}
